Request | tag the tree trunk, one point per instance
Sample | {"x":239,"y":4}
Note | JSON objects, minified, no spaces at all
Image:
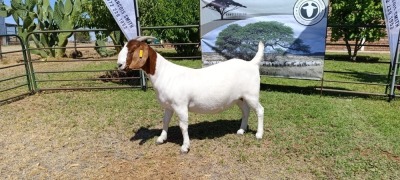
{"x":356,"y":48}
{"x":348,"y":47}
{"x":354,"y":55}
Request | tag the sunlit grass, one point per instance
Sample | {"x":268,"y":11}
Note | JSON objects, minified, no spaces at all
{"x":323,"y":137}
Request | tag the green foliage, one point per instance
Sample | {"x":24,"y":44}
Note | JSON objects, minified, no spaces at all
{"x":172,"y":13}
{"x":223,"y":6}
{"x":97,"y":15}
{"x":307,"y":136}
{"x":237,"y":41}
{"x":82,"y":36}
{"x":101,"y":39}
{"x":348,"y":15}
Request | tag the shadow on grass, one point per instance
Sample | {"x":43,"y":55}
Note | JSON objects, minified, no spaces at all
{"x":360,"y":58}
{"x":368,"y":77}
{"x":288,"y":89}
{"x":202,"y":130}
{"x":312,"y":90}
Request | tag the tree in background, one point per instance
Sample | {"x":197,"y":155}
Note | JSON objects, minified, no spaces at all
{"x":241,"y":42}
{"x":172,"y":13}
{"x":96,"y":15}
{"x":82,"y":37}
{"x":348,"y":15}
{"x":223,"y":6}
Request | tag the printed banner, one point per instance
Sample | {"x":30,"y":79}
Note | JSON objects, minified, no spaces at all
{"x":124,"y":13}
{"x":2,"y":26}
{"x":391,"y":11}
{"x":293,"y":32}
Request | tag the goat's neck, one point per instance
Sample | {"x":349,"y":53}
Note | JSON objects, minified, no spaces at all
{"x":163,"y":70}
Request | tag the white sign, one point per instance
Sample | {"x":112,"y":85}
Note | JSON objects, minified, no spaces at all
{"x":391,"y":10}
{"x":124,"y":13}
{"x":2,"y":26}
{"x":293,"y":32}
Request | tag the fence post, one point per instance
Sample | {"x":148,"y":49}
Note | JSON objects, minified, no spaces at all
{"x":1,"y":43}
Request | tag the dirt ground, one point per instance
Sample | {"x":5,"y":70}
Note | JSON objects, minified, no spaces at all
{"x":42,"y":139}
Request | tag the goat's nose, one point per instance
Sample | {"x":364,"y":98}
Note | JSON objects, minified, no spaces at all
{"x":119,"y":65}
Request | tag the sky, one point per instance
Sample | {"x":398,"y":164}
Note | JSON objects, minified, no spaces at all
{"x":10,"y":19}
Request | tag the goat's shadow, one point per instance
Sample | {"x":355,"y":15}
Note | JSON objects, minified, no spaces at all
{"x":202,"y":130}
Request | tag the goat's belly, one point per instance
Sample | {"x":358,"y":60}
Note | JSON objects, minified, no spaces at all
{"x":209,"y":107}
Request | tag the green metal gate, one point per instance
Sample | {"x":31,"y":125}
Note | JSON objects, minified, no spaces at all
{"x":78,"y":73}
{"x":15,"y":76}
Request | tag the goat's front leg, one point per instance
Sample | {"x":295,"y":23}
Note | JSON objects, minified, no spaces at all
{"x":183,"y":115}
{"x":166,"y":119}
{"x":245,"y":116}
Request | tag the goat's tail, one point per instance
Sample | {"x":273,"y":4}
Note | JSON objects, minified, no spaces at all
{"x":260,"y":54}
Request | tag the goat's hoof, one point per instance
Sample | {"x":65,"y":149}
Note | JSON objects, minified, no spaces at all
{"x":184,"y":150}
{"x":160,"y":141}
{"x":259,"y":135}
{"x":240,"y":132}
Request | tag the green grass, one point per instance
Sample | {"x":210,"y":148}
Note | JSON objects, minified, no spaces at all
{"x":307,"y":136}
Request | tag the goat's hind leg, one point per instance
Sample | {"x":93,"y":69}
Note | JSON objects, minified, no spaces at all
{"x":166,"y":119}
{"x":183,"y":115}
{"x":255,"y":104}
{"x":244,"y":107}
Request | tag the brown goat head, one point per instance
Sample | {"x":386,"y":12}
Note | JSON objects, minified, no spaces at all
{"x":141,"y":56}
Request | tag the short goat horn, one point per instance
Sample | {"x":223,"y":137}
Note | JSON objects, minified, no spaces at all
{"x":142,"y":38}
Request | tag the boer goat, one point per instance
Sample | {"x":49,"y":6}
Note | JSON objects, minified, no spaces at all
{"x":208,"y":90}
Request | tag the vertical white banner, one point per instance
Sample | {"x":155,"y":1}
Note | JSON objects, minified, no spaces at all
{"x":391,"y":11}
{"x":3,"y":29}
{"x":124,"y":13}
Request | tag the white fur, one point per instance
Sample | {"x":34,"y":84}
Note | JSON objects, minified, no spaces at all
{"x":208,"y":90}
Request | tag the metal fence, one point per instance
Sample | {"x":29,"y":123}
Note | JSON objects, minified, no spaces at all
{"x":87,"y":72}
{"x":79,"y":72}
{"x":93,"y":72}
{"x":15,"y":74}
{"x":378,"y":81}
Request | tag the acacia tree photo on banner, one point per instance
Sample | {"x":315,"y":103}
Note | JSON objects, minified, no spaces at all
{"x":293,"y":32}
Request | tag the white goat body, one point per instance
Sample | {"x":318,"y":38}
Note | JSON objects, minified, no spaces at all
{"x":208,"y":90}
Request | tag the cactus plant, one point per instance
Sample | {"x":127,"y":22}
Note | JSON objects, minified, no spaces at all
{"x":101,"y":41}
{"x":38,"y":15}
{"x":64,"y":17}
{"x":21,"y":11}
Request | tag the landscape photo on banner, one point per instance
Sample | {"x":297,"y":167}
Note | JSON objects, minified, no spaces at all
{"x":293,"y":32}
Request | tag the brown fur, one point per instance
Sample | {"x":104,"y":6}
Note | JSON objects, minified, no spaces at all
{"x":148,"y":60}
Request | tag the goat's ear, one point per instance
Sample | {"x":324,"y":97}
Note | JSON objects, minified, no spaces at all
{"x":139,"y":57}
